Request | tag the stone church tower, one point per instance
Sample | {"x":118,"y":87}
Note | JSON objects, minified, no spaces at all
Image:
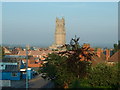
{"x":60,"y":34}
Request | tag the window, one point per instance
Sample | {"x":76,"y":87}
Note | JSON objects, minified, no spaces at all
{"x":14,"y":74}
{"x":2,"y":67}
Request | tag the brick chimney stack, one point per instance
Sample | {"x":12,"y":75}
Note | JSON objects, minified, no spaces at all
{"x":107,"y":54}
{"x":99,"y":51}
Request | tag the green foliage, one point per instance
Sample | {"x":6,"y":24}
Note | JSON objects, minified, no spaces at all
{"x":56,"y":69}
{"x":119,"y":44}
{"x":68,"y":47}
{"x":66,"y":68}
{"x":63,"y":69}
{"x":116,"y":47}
{"x":75,"y":84}
{"x":103,"y":76}
{"x":74,"y":43}
{"x":1,"y":52}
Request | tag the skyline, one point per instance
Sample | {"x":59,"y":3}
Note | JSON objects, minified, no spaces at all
{"x":88,"y":20}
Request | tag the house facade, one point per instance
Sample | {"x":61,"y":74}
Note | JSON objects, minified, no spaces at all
{"x":9,"y":71}
{"x":30,"y":73}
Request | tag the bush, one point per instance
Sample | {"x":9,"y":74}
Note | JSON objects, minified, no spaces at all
{"x":103,"y":76}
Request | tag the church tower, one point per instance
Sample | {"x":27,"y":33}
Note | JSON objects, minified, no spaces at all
{"x":60,"y":34}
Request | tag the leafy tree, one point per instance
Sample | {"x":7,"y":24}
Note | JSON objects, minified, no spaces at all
{"x":74,"y":43}
{"x":56,"y":70}
{"x":75,"y":84}
{"x":2,"y":53}
{"x":103,"y":76}
{"x":64,"y":67}
{"x":119,"y":44}
{"x":116,"y":46}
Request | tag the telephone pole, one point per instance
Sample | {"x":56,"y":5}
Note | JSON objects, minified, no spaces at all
{"x":27,"y":83}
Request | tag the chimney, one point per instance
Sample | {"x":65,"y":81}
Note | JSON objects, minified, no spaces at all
{"x":99,"y":52}
{"x":107,"y":54}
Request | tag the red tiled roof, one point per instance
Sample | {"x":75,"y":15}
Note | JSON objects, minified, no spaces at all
{"x":115,"y":57}
{"x":14,"y":52}
{"x":96,"y":59}
{"x":23,"y":52}
{"x":39,"y":52}
{"x":34,"y":65}
{"x":35,"y":52}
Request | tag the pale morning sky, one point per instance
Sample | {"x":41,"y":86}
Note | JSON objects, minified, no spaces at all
{"x":34,"y":22}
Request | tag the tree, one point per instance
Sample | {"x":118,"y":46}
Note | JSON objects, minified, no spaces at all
{"x":66,"y":66}
{"x":119,"y":44}
{"x":116,"y":46}
{"x":2,"y":53}
{"x":56,"y":70}
{"x":103,"y":76}
{"x":74,"y":43}
{"x":72,"y":68}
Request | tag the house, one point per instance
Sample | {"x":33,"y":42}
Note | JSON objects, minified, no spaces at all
{"x":6,"y":51}
{"x":33,"y":63}
{"x":12,"y":70}
{"x":9,"y":71}
{"x":115,"y":58}
{"x":31,"y":73}
{"x":95,"y":56}
{"x":98,"y":59}
{"x":35,"y":57}
{"x":22,"y":53}
{"x":36,"y":53}
{"x":106,"y":56}
{"x":15,"y":51}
